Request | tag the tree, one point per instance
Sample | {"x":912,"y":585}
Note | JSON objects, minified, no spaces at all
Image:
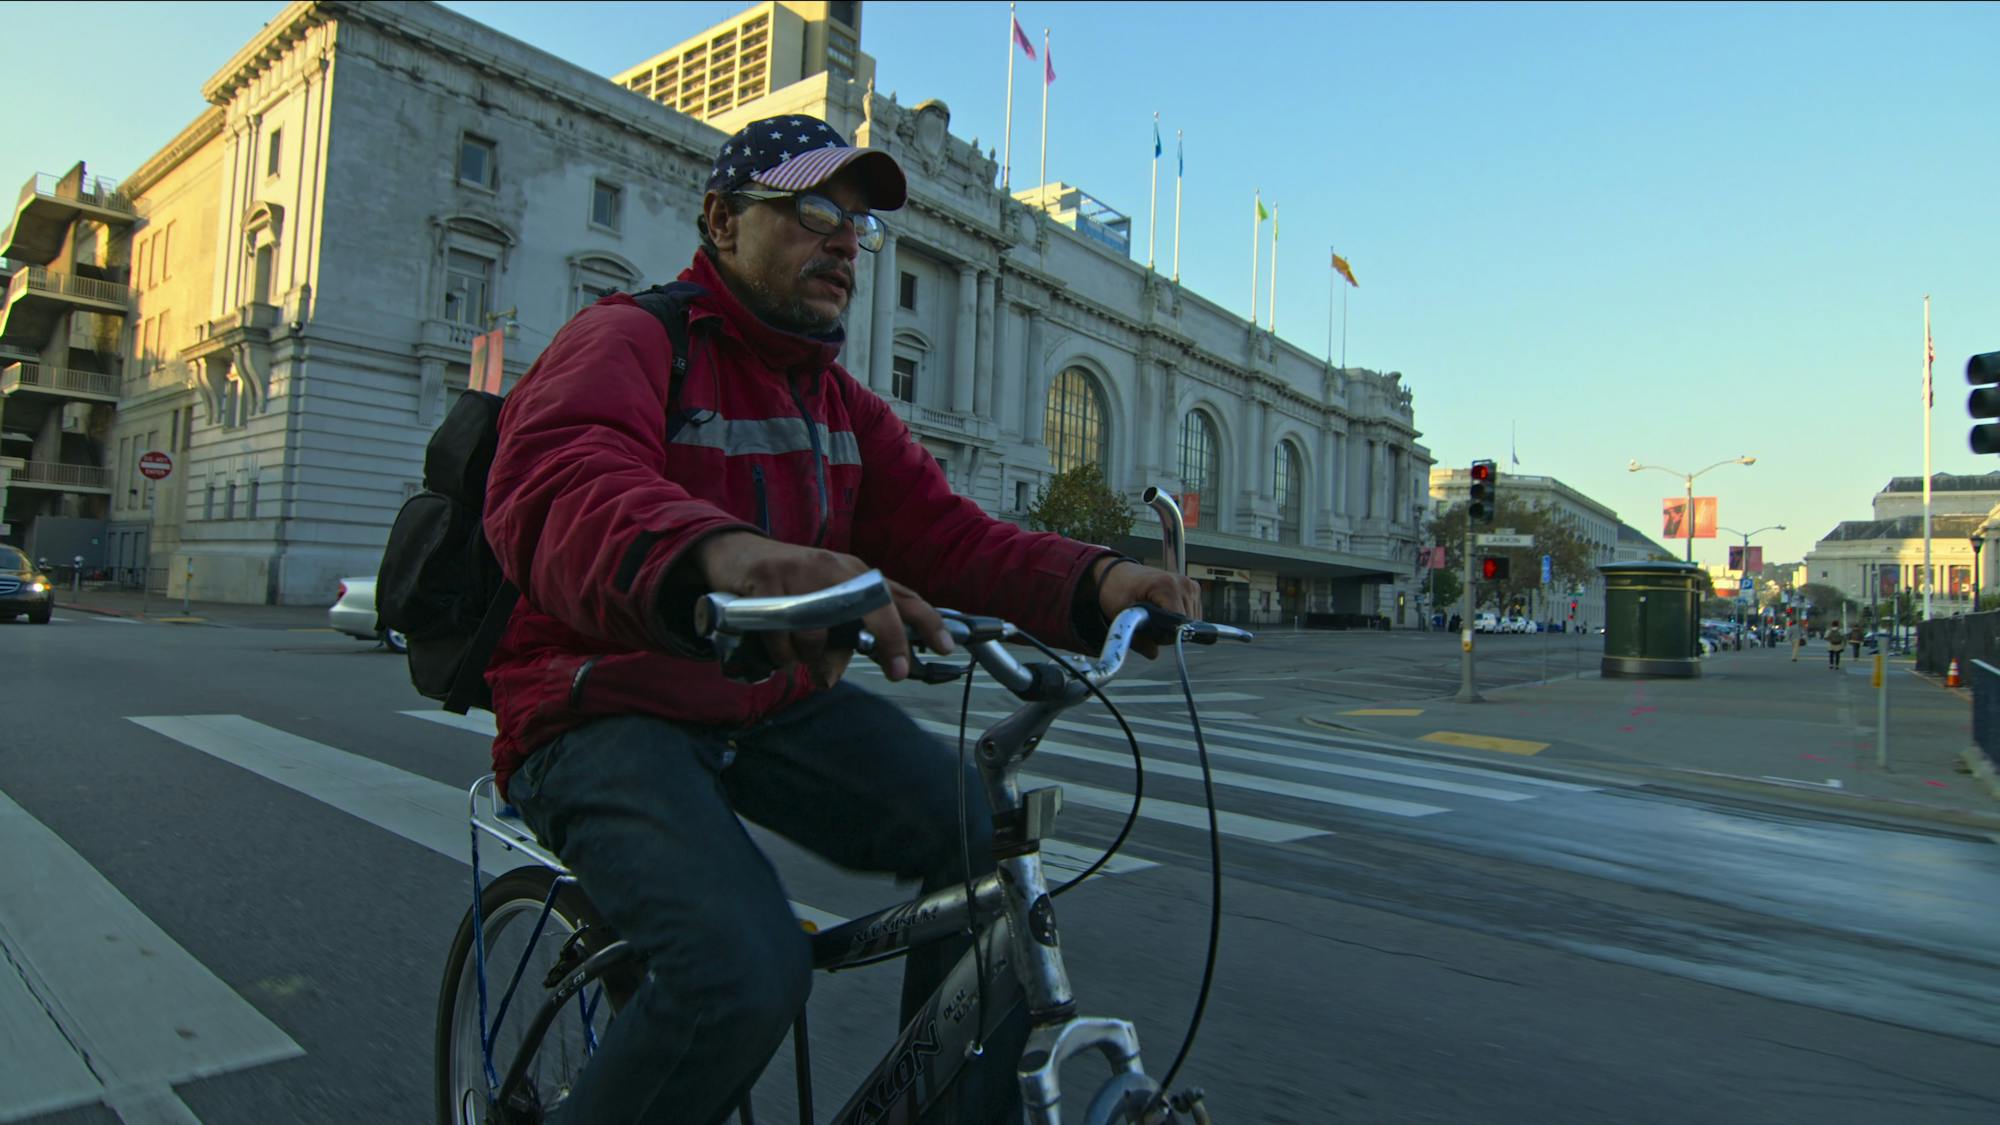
{"x":1077,"y":504}
{"x":1823,"y":598}
{"x":1572,"y":561}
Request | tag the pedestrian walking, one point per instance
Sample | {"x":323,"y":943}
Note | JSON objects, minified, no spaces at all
{"x":1836,"y":641}
{"x":1854,"y":638}
{"x":1797,"y":637}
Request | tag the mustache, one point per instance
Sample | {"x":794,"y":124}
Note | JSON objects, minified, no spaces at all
{"x":825,"y":267}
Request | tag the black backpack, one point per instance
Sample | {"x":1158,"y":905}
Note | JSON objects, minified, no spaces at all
{"x":440,"y":585}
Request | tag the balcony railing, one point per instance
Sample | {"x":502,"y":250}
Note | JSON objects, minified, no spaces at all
{"x":56,"y":475}
{"x":69,"y":285}
{"x":98,"y":191}
{"x":943,"y":420}
{"x":18,"y":375}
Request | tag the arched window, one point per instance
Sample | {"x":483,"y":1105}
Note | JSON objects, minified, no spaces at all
{"x":1201,"y":460}
{"x":1289,"y":491}
{"x":1074,"y":427}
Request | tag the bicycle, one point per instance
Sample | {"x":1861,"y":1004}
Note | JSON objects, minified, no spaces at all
{"x":1015,"y":958}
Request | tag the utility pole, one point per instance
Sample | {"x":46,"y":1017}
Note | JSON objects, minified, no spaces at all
{"x":1467,"y":693}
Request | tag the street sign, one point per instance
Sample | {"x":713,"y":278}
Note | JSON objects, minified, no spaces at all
{"x":1498,"y":540}
{"x":155,"y":465}
{"x":1749,"y":584}
{"x":1546,"y":569}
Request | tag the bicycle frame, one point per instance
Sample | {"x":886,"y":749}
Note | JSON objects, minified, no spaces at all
{"x":1010,"y":910}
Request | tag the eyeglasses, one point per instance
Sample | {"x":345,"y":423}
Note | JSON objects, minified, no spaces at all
{"x":821,"y":215}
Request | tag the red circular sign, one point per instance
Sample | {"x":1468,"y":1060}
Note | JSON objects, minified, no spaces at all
{"x":155,"y":465}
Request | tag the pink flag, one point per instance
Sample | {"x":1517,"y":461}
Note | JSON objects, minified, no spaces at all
{"x":1049,"y":68}
{"x":1021,"y":37}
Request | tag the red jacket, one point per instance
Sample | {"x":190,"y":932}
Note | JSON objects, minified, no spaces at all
{"x":588,"y":508}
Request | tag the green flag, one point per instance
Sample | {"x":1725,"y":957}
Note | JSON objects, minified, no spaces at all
{"x":1261,"y":213}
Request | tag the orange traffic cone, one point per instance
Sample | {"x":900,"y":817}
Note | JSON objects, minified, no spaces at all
{"x":1951,"y":674}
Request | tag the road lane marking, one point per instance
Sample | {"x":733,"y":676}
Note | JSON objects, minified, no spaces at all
{"x":1486,"y":742}
{"x":1273,"y":828}
{"x":97,"y":1003}
{"x":1487,"y":777}
{"x":1344,"y":745}
{"x":1309,"y":765}
{"x":1391,"y":712}
{"x":1056,"y":853}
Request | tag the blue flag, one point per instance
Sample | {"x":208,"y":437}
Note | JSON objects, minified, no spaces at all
{"x":1156,"y":140}
{"x":1180,"y":156}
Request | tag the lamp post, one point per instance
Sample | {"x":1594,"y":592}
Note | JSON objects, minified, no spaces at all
{"x":1687,"y":513}
{"x":1746,"y":565}
{"x":1978,"y":541}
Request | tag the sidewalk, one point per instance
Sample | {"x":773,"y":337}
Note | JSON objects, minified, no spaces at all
{"x":113,"y":602}
{"x":1754,"y":724}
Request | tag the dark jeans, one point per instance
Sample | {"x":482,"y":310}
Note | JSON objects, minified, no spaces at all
{"x":1833,"y":657}
{"x":644,"y":811}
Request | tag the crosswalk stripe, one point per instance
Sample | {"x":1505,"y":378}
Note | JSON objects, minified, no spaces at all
{"x":1310,"y":765}
{"x":1056,"y":853}
{"x":97,"y":1003}
{"x":425,"y":812}
{"x":1316,"y":794}
{"x":1346,"y":746}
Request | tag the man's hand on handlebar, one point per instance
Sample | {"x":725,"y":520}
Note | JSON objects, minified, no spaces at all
{"x":1128,"y":584}
{"x":751,"y":565}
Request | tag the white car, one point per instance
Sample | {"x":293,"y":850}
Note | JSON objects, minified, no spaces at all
{"x":353,"y":613}
{"x":1486,"y":623}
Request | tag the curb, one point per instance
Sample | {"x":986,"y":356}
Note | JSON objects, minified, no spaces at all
{"x":100,"y":610}
{"x":1982,"y":767}
{"x":1701,"y":784}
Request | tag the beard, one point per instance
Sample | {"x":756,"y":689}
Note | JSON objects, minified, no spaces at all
{"x":789,"y":311}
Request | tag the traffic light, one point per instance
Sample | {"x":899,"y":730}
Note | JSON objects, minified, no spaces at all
{"x":1481,"y":506}
{"x":1572,"y":609}
{"x":1494,"y":568}
{"x":1983,"y":372}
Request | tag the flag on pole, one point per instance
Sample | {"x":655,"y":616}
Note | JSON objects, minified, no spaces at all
{"x":1262,"y":214}
{"x":1048,"y":66}
{"x":1930,"y":355}
{"x":1156,"y":137}
{"x":1021,"y":37}
{"x":1341,"y":267}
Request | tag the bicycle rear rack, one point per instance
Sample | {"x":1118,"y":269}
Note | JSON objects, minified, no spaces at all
{"x":501,"y":822}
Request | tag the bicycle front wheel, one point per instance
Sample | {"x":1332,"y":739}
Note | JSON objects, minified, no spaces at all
{"x":509,"y":908}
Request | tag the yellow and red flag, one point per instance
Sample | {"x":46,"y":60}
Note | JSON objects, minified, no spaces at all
{"x":1340,"y":265}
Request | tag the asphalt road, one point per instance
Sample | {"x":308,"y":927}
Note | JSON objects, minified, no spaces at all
{"x":236,"y":866}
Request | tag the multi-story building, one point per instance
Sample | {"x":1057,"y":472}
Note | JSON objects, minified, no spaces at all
{"x":304,"y":318}
{"x":1859,"y":556}
{"x":1597,"y":525}
{"x":62,"y":337}
{"x":1633,"y":545}
{"x":741,"y":61}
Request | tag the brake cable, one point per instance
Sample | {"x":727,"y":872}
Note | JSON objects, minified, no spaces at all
{"x":1214,"y":870}
{"x":1138,"y":768}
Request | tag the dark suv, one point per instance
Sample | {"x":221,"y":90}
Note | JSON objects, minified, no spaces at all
{"x":23,"y":589}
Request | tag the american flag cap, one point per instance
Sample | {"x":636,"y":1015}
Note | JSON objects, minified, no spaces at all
{"x":798,"y":153}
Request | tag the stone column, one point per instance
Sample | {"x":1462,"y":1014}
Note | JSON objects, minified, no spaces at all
{"x":982,"y":389}
{"x":1327,"y":487}
{"x":1032,"y":407}
{"x":882,"y":326}
{"x":860,"y":319}
{"x":964,"y":340}
{"x":1004,"y":396}
{"x":1267,"y":484}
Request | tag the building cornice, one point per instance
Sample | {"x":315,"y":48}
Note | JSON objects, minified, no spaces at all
{"x":199,"y":132}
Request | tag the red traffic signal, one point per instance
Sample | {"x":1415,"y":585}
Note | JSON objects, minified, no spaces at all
{"x":1494,"y":568}
{"x":1481,"y":502}
{"x":1572,"y":609}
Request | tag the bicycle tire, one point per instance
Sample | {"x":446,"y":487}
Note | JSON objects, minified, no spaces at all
{"x":1122,"y":1100}
{"x":509,"y":907}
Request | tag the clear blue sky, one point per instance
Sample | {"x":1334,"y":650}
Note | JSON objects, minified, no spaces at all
{"x":1670,"y":233}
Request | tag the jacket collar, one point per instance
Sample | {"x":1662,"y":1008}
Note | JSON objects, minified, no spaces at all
{"x":787,"y":353}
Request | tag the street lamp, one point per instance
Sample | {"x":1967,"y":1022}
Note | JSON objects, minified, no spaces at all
{"x":1746,"y":558}
{"x":1687,"y":513}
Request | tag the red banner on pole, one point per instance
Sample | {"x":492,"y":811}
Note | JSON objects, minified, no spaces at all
{"x":488,"y":361}
{"x":1673,"y":512}
{"x":1191,"y":509}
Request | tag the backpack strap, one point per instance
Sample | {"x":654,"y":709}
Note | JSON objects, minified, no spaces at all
{"x":468,"y":687}
{"x":669,"y":303}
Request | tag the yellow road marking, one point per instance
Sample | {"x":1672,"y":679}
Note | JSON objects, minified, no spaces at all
{"x":1398,"y":712}
{"x":1486,"y":742}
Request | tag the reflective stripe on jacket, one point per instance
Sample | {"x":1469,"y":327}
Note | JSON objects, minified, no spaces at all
{"x":589,"y":508}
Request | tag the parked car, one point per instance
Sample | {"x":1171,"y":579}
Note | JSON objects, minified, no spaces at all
{"x":1486,"y":623}
{"x":24,"y":589}
{"x":353,"y":613}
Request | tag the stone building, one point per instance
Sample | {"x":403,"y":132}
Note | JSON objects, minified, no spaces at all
{"x":375,"y":184}
{"x":1597,"y":525}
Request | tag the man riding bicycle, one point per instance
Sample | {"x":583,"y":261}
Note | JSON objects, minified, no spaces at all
{"x":623,"y":744}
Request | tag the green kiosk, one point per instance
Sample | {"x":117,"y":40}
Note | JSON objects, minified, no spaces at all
{"x":1651,"y":618}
